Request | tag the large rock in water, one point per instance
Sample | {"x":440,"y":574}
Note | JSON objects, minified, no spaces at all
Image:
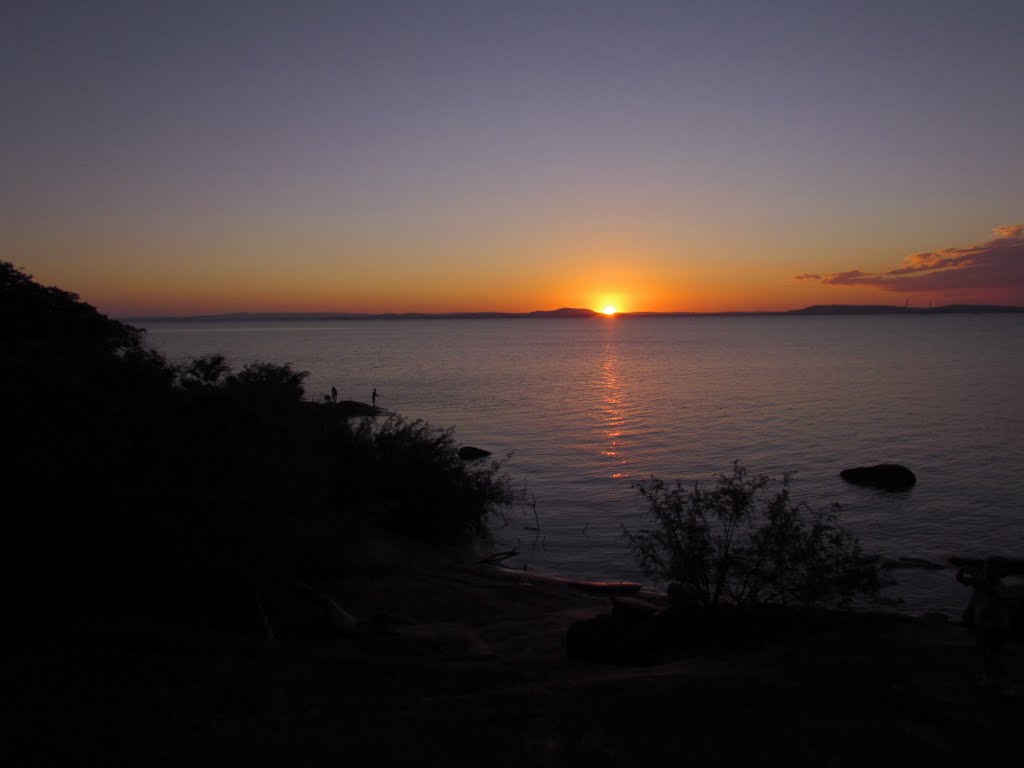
{"x":471,"y":453}
{"x":892,"y":477}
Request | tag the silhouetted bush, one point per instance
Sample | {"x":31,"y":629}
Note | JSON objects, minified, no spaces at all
{"x":128,"y":474}
{"x":411,"y":474}
{"x":745,"y":541}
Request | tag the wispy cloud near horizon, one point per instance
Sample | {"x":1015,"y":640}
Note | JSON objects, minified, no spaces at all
{"x":985,"y":270}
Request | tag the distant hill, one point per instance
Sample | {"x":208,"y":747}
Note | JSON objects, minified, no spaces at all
{"x":882,"y":309}
{"x":264,"y":316}
{"x":564,"y":312}
{"x":571,"y":312}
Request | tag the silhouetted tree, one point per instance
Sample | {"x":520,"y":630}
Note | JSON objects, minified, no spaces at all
{"x":130,"y":477}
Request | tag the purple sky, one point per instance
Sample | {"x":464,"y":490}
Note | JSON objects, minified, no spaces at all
{"x":206,"y":156}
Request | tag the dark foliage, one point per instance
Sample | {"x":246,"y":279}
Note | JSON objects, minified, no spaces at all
{"x":746,"y":542}
{"x":440,"y":497}
{"x":129,"y":477}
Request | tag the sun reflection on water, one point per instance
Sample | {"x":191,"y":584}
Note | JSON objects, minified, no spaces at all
{"x":613,"y":412}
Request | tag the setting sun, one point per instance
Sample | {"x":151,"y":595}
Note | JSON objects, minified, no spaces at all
{"x":609,"y":310}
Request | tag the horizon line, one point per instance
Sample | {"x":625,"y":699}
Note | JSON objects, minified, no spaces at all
{"x":583,"y":313}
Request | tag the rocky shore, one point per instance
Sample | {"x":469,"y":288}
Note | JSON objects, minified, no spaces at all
{"x":467,"y":665}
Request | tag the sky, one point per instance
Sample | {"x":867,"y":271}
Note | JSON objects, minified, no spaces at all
{"x":200,"y":157}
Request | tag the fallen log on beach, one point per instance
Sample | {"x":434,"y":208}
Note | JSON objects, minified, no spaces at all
{"x":1009,"y":566}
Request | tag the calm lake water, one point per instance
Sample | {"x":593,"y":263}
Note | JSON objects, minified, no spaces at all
{"x":588,"y":406}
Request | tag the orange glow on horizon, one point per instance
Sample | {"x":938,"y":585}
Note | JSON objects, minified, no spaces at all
{"x":631,"y":282}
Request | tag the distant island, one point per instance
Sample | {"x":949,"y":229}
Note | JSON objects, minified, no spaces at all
{"x":570,"y":312}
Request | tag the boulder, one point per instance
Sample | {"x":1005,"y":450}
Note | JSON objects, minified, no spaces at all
{"x":892,"y":477}
{"x":632,"y":633}
{"x":599,"y":639}
{"x":631,"y":612}
{"x":469,"y":453}
{"x":617,"y":639}
{"x":682,"y":597}
{"x":353,"y":408}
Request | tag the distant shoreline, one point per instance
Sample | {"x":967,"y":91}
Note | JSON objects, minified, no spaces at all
{"x":816,"y":310}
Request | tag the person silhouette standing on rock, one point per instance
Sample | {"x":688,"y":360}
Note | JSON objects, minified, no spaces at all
{"x":373,"y":397}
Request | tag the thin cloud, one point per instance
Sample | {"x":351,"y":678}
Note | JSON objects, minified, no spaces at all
{"x":995,"y":265}
{"x":853,"y":277}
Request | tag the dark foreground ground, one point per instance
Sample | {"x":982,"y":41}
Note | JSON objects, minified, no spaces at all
{"x":468,"y":667}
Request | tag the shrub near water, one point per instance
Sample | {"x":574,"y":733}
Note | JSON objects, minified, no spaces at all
{"x":744,"y":541}
{"x":408,"y":475}
{"x":128,"y":474}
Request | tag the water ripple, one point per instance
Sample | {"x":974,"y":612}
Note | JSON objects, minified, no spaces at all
{"x":586,"y":408}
